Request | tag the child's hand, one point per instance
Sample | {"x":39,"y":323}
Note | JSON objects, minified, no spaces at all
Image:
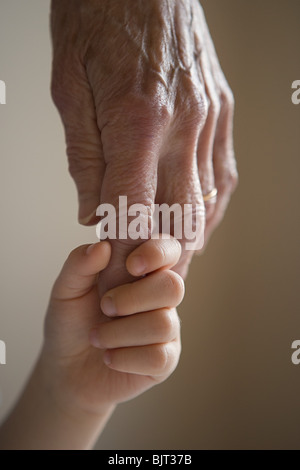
{"x":93,"y":361}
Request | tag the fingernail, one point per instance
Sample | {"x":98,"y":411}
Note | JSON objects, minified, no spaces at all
{"x":107,"y":358}
{"x":90,"y":248}
{"x":138,"y":264}
{"x":108,"y":306}
{"x":94,"y":338}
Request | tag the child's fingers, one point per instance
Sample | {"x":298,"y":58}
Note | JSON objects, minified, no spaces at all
{"x":157,"y":290}
{"x":158,"y":326}
{"x":157,"y":360}
{"x":153,"y":255}
{"x":80,"y":270}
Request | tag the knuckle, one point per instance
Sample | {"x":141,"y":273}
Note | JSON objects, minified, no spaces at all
{"x":173,"y":283}
{"x":160,"y":358}
{"x":150,"y":112}
{"x":165,"y":358}
{"x":199,"y":108}
{"x":229,"y":180}
{"x":55,"y":90}
{"x":77,"y":165}
{"x":162,"y":113}
{"x":233,"y":179}
{"x":166,"y":323}
{"x":227,"y":99}
{"x":74,"y":170}
{"x":141,"y":112}
{"x":55,"y":94}
{"x":192,"y":102}
{"x":59,"y":88}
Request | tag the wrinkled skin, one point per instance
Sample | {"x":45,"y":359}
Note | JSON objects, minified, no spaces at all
{"x":146,"y":108}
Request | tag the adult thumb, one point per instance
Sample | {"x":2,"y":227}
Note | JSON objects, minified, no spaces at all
{"x":73,"y":98}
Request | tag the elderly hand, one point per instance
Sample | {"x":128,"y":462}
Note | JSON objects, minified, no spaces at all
{"x":146,"y":108}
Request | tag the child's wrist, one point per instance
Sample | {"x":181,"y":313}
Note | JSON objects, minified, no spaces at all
{"x":72,"y":412}
{"x":42,"y":420}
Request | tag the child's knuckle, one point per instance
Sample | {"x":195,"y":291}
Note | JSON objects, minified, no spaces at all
{"x":175,"y":285}
{"x":160,"y":358}
{"x":167,"y":324}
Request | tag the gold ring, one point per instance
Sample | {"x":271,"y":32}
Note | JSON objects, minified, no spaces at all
{"x":213,"y":193}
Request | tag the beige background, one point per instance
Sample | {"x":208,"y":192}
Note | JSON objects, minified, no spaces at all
{"x":235,"y":386}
